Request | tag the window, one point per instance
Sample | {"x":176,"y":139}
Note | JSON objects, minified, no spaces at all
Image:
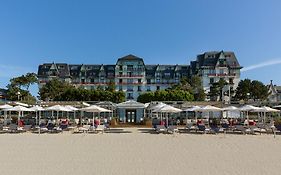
{"x":221,"y":71}
{"x":139,"y":88}
{"x":211,"y":80}
{"x":120,"y":80}
{"x":230,"y":80}
{"x":110,"y":74}
{"x":130,"y":96}
{"x":130,"y":81}
{"x":60,"y":67}
{"x":158,"y":80}
{"x":167,"y":74}
{"x":130,"y":88}
{"x":148,"y":81}
{"x":92,"y":80}
{"x":139,"y":80}
{"x":129,"y":67}
{"x":148,"y":88}
{"x":158,"y":88}
{"x":120,"y":88}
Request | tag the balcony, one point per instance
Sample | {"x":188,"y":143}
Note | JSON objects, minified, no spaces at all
{"x":161,"y":83}
{"x":90,"y":83}
{"x":129,"y":76}
{"x":124,"y":83}
{"x":222,"y":75}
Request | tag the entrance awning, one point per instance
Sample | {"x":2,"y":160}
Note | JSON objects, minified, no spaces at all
{"x":130,"y":104}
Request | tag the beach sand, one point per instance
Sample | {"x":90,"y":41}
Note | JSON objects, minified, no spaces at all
{"x":137,"y":152}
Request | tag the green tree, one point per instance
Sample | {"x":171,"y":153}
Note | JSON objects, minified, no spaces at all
{"x":111,"y":86}
{"x":243,"y":90}
{"x":62,"y":91}
{"x":197,"y":88}
{"x":258,"y":90}
{"x":146,"y":97}
{"x":165,"y":95}
{"x":248,"y":89}
{"x":53,"y":90}
{"x":30,"y":78}
{"x":16,"y":86}
{"x":216,"y":90}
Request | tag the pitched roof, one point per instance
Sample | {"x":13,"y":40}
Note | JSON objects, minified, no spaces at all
{"x":210,"y":59}
{"x":130,"y":57}
{"x":58,"y":69}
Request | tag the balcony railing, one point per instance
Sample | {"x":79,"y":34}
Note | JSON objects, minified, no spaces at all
{"x":129,"y":83}
{"x":90,"y":83}
{"x":222,"y":75}
{"x":162,"y":83}
{"x":129,"y":76}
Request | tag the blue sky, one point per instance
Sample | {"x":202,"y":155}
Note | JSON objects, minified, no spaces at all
{"x":160,"y":31}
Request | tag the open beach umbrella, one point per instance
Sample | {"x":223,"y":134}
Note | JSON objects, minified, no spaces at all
{"x":21,"y":104}
{"x":167,"y":109}
{"x":155,"y":107}
{"x":18,"y":109}
{"x":278,"y":106}
{"x":73,"y":109}
{"x":85,"y":104}
{"x":209,"y":109}
{"x":247,"y":108}
{"x":158,"y":106}
{"x":230,"y":108}
{"x":37,"y":110}
{"x":57,"y":108}
{"x":5,"y":106}
{"x":265,"y":109}
{"x":93,"y":109}
{"x":193,"y":109}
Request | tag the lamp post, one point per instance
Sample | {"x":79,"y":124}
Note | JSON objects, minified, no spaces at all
{"x":248,"y":96}
{"x":18,"y":93}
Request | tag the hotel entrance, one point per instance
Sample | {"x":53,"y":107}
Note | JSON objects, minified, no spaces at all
{"x":130,"y":112}
{"x":131,"y":116}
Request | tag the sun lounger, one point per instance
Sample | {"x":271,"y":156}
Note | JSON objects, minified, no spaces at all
{"x":213,"y":129}
{"x":172,"y":129}
{"x":84,"y":128}
{"x":202,"y":128}
{"x":27,"y":127}
{"x":240,"y":128}
{"x":2,"y":130}
{"x":13,"y":128}
{"x":64,"y":127}
{"x":191,"y":127}
{"x":266,"y":128}
{"x":225,"y":127}
{"x":161,"y":128}
{"x":100,"y":128}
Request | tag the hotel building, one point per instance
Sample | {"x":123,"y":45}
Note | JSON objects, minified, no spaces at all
{"x":131,"y":75}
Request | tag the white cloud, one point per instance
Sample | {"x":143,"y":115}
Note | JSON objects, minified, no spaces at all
{"x":261,"y":65}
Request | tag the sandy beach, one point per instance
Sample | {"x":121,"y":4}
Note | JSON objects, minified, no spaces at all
{"x":134,"y":151}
